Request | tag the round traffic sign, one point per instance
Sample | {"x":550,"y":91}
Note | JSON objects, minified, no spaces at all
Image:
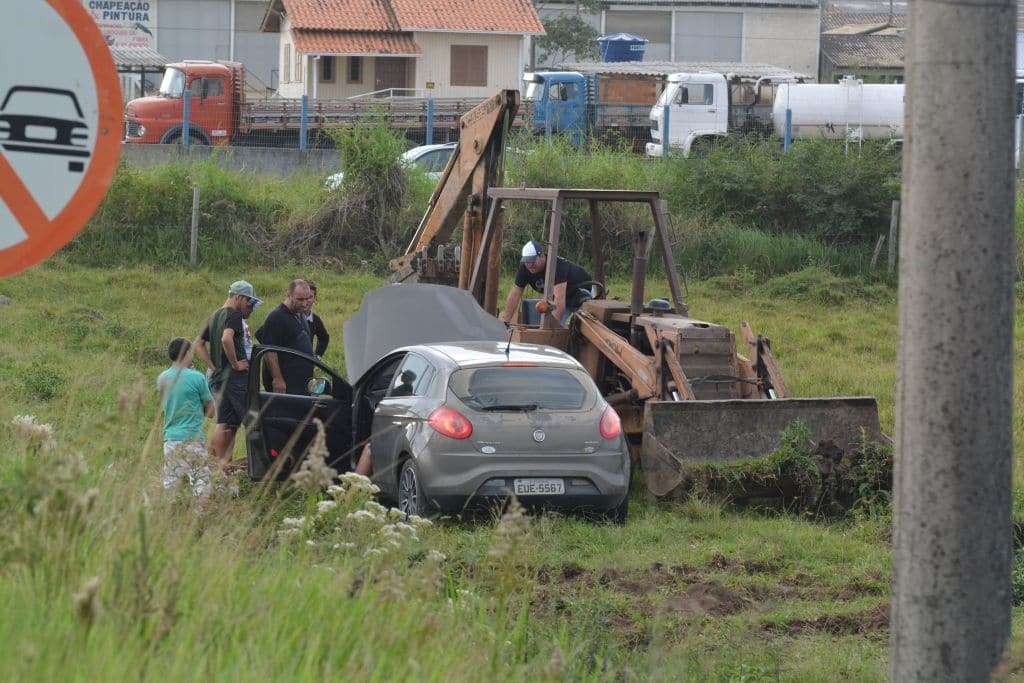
{"x":60,"y":128}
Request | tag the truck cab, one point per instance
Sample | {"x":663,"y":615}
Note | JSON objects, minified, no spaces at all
{"x":558,"y":100}
{"x":698,"y":106}
{"x":215,"y":90}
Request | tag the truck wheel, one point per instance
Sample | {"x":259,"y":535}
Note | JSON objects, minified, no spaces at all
{"x":703,"y":148}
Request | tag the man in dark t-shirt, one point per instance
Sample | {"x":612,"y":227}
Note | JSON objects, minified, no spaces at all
{"x":569,"y":279}
{"x":225,"y":345}
{"x":286,"y":326}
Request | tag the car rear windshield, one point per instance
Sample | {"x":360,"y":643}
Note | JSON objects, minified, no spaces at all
{"x":512,"y":387}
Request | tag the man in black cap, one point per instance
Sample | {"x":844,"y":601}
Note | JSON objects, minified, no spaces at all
{"x":569,"y":279}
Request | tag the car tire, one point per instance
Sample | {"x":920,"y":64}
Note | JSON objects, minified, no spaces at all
{"x":619,"y":513}
{"x":411,"y":499}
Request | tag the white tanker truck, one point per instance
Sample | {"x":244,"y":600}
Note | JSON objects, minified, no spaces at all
{"x":704,"y":107}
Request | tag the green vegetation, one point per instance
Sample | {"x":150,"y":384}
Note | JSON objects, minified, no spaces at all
{"x":103,"y":576}
{"x":743,"y":206}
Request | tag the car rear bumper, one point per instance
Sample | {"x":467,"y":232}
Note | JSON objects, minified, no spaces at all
{"x":597,"y":481}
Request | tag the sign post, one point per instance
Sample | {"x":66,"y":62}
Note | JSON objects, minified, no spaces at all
{"x":60,"y":128}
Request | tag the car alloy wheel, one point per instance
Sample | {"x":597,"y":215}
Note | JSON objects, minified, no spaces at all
{"x":410,"y":495}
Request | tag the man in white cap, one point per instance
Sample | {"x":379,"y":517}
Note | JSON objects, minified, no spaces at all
{"x":569,"y":279}
{"x":228,"y":354}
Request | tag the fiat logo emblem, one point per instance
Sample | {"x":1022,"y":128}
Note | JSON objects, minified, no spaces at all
{"x":539,"y":435}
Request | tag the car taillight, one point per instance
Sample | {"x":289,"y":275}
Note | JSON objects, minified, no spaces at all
{"x":611,"y":425}
{"x":450,"y":423}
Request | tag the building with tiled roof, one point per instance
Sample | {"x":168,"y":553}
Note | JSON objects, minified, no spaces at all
{"x":333,"y":49}
{"x":868,"y":45}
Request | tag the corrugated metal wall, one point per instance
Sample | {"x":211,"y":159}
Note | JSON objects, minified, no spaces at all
{"x":709,"y":36}
{"x":258,"y":51}
{"x":200,"y":29}
{"x":656,"y":27}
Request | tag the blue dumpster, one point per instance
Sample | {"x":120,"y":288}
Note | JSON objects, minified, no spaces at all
{"x":622,"y":47}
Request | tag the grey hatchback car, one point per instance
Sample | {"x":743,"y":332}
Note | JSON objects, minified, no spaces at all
{"x":453,"y":425}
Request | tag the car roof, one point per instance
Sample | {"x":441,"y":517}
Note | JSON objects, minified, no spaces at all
{"x":423,"y":149}
{"x":480,"y":353}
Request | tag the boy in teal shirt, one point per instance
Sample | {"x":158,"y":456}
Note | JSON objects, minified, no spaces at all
{"x":186,"y":400}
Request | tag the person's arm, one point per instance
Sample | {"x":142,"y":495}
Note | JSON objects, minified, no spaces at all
{"x":227,"y":340}
{"x":206,"y":396}
{"x":277,"y":382}
{"x":560,"y":300}
{"x":199,"y":345}
{"x":322,"y":337}
{"x":514,"y":295}
{"x":270,"y":334}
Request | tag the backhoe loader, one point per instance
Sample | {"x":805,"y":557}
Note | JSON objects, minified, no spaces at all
{"x":684,"y":393}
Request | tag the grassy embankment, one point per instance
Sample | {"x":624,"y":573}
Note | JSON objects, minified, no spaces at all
{"x":683,"y":591}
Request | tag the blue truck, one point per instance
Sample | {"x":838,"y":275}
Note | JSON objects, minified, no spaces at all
{"x":614,"y":99}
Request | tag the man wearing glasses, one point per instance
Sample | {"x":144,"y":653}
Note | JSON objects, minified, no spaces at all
{"x":225,"y":345}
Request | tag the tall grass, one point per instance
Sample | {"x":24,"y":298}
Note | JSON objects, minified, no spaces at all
{"x":103,"y":575}
{"x":742,"y":206}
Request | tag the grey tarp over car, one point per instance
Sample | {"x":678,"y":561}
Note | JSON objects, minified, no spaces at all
{"x":394,"y":316}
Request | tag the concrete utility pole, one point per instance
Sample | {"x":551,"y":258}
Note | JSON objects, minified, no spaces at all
{"x":952,"y":545}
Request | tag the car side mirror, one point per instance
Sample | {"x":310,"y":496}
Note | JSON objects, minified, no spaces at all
{"x":319,"y":386}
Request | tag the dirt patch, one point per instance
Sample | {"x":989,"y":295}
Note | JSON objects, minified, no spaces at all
{"x":629,"y":631}
{"x":872,"y":620}
{"x":629,"y":581}
{"x":719,"y":561}
{"x":706,"y":598}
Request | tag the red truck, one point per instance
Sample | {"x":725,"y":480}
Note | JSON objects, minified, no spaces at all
{"x":220,"y":113}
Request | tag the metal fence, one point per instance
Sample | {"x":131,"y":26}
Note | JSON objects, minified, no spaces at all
{"x":305,"y":123}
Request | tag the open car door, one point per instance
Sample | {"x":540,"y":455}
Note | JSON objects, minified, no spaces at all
{"x":280,"y":427}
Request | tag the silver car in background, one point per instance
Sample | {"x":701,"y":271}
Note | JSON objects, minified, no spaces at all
{"x":456,"y":417}
{"x":463,"y":424}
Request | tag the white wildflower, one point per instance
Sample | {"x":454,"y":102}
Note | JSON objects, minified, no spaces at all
{"x":436,"y":556}
{"x":376,"y":508}
{"x":373,"y":552}
{"x":314,"y":474}
{"x":35,"y":434}
{"x":285,"y":534}
{"x":293,"y":522}
{"x":335,"y":491}
{"x":355,"y":478}
{"x":343,"y":546}
{"x":420,"y":522}
{"x":393,"y":543}
{"x":406,"y":529}
{"x":325,"y":506}
{"x":394,"y":514}
{"x":363,"y":516}
{"x":311,"y":544}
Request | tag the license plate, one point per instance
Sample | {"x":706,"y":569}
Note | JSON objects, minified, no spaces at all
{"x":538,"y":487}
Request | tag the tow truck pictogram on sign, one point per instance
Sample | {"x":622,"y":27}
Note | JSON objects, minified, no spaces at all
{"x":60,"y":126}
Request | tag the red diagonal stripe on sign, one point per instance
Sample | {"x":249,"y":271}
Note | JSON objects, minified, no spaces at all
{"x":20,"y":201}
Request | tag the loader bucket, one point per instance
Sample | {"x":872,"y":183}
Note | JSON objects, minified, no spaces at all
{"x":678,"y":433}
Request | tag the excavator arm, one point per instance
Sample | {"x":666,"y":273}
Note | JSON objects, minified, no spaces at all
{"x":461,"y":193}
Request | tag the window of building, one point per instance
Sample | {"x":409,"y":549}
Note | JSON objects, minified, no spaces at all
{"x":355,"y":70}
{"x":299,"y":75}
{"x":286,"y":71}
{"x":327,"y":69}
{"x":469,"y":65}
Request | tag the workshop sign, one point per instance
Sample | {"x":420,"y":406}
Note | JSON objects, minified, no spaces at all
{"x":60,"y":128}
{"x":125,"y":23}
